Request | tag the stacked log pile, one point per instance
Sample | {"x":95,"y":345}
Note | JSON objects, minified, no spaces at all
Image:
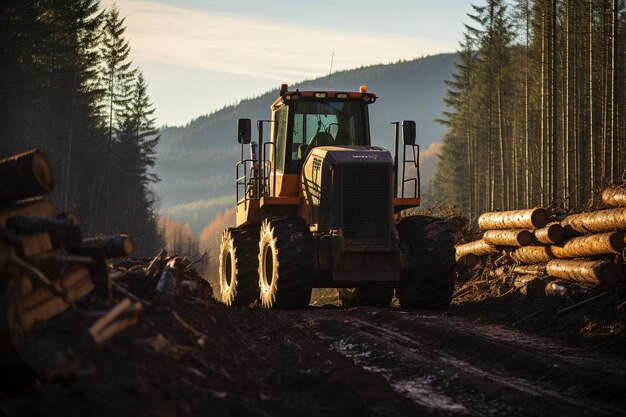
{"x":47,"y":267}
{"x":561,"y":255}
{"x":45,"y":264}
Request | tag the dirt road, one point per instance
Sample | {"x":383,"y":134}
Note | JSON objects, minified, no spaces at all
{"x":455,"y":366}
{"x":196,"y":357}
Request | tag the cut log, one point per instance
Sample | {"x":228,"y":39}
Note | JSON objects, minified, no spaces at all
{"x":532,"y":254}
{"x":64,"y":233}
{"x":468,"y":261}
{"x":614,"y":196}
{"x":524,"y":282}
{"x":32,"y":207}
{"x":532,"y":269}
{"x":535,"y":218}
{"x":551,"y":234}
{"x":590,"y":245}
{"x":121,"y":316}
{"x":25,"y":175}
{"x":596,"y":221}
{"x":35,"y":244}
{"x":508,"y":237}
{"x":586,"y":271}
{"x":477,"y":248}
{"x":42,"y":304}
{"x":117,"y":246}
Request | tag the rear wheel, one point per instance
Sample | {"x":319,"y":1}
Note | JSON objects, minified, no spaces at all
{"x":285,"y":263}
{"x":430,"y":282}
{"x":239,"y":266}
{"x":375,"y":296}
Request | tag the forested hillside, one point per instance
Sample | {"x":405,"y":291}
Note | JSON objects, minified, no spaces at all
{"x":196,"y":163}
{"x":536,"y":105}
{"x":68,"y":87}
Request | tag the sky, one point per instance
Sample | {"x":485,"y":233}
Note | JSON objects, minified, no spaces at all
{"x":201,"y":55}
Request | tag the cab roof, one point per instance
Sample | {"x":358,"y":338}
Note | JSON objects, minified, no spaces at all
{"x":287,"y":96}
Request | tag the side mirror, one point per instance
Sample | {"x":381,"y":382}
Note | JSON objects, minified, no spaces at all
{"x":408,"y":132}
{"x":244,"y":131}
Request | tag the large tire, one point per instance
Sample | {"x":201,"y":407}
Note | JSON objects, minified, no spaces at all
{"x":429,"y":284}
{"x":285,"y":263}
{"x":371,"y":295}
{"x":239,"y":264}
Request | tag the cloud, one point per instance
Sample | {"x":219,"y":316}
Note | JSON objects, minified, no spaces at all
{"x":433,"y":149}
{"x":199,"y":205}
{"x":254,"y":46}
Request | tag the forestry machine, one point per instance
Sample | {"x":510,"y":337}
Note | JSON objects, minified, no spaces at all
{"x":319,"y":207}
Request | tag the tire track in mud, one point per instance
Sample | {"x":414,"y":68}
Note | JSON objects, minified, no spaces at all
{"x":457,"y":367}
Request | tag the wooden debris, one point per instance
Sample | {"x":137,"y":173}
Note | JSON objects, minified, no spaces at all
{"x":535,"y":218}
{"x":477,"y":248}
{"x":116,"y":246}
{"x":169,"y":282}
{"x":25,"y":175}
{"x":468,"y":261}
{"x":614,"y":196}
{"x":590,"y":245}
{"x":154,"y":267}
{"x":123,"y":315}
{"x":40,"y":303}
{"x":553,"y":233}
{"x":561,"y":288}
{"x":511,"y":237}
{"x":522,"y":283}
{"x":596,"y":221}
{"x":532,"y":269}
{"x":587,"y":271}
{"x":532,"y":254}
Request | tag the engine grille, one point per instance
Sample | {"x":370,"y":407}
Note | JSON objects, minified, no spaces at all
{"x":366,"y":201}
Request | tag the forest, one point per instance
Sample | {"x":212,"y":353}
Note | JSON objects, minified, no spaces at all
{"x":69,"y":88}
{"x":535,"y":106}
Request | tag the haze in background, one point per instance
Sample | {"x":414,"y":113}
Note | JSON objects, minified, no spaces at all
{"x":199,"y":56}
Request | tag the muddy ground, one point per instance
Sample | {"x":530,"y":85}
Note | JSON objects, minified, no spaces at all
{"x":491,"y":353}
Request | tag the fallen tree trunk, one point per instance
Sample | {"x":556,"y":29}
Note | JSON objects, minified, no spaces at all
{"x":477,"y":248}
{"x":535,"y":218}
{"x":614,"y":196}
{"x":532,"y":254}
{"x":117,"y":246}
{"x":25,"y":175}
{"x":508,"y":237}
{"x":551,"y":234}
{"x":596,"y":221}
{"x":586,"y":271}
{"x":590,"y":245}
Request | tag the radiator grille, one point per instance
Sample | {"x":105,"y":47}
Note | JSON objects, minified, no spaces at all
{"x":366,"y":201}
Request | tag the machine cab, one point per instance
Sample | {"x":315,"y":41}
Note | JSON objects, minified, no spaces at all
{"x":305,"y":120}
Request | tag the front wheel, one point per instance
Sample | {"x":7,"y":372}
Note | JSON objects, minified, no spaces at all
{"x":429,"y":284}
{"x":285,"y":263}
{"x":238,"y":266}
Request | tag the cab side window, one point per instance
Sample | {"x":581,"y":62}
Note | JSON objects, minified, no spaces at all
{"x":280,"y":138}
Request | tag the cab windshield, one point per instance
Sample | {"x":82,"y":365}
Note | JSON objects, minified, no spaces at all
{"x":324,"y":123}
